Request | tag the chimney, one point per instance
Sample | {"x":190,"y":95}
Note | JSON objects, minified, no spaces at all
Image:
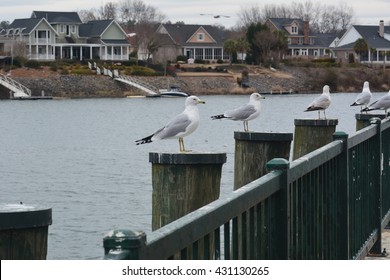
{"x":381,"y":28}
{"x":305,"y":30}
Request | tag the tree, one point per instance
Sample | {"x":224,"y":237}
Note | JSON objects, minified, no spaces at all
{"x":108,"y":11}
{"x":230,"y":47}
{"x":322,"y":17}
{"x":360,"y":47}
{"x":4,"y":24}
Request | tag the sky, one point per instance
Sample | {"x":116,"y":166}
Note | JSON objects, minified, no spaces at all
{"x":366,"y":12}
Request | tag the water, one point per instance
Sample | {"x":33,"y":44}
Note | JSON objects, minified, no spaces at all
{"x":79,"y":158}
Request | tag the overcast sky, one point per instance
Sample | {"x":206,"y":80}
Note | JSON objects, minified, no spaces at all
{"x":366,"y":11}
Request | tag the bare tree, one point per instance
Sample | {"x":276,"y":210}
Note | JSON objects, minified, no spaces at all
{"x":108,"y":11}
{"x":88,"y":15}
{"x":322,"y":17}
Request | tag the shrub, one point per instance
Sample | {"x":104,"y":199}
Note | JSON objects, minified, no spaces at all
{"x":33,"y":64}
{"x":181,"y":58}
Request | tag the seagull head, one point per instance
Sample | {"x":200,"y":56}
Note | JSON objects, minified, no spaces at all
{"x":326,"y":89}
{"x":194,"y":100}
{"x":366,"y":86}
{"x":256,"y":96}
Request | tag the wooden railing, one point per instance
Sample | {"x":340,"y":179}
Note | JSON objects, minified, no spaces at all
{"x":332,"y":203}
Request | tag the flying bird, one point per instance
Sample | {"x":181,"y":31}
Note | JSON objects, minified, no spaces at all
{"x":321,"y":103}
{"x":364,"y":97}
{"x":382,"y":103}
{"x":244,"y":113}
{"x":215,"y":16}
{"x":180,"y":126}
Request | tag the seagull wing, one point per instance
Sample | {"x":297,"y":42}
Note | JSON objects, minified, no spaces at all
{"x":174,"y":128}
{"x":241,"y":113}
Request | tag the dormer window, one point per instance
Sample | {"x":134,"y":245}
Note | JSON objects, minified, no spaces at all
{"x":200,"y":36}
{"x":294,"y":29}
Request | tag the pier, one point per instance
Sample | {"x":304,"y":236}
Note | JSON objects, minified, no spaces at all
{"x":331,"y":203}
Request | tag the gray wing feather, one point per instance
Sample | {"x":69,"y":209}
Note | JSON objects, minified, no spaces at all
{"x":241,"y":113}
{"x":175,"y":126}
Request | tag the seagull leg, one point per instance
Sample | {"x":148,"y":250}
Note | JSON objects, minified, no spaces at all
{"x":246,"y":129}
{"x":319,"y":115}
{"x":181,"y":144}
{"x":324,"y":115}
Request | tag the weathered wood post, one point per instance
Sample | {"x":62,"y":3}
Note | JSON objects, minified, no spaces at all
{"x":182,"y":183}
{"x":311,"y":134}
{"x":23,"y":232}
{"x":363,"y":120}
{"x":252,"y":152}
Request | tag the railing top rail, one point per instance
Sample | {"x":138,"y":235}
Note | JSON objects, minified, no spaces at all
{"x":362,"y":135}
{"x":197,"y":224}
{"x":311,"y":161}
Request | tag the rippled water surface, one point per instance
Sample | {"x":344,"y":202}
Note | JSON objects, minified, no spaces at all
{"x":79,"y":158}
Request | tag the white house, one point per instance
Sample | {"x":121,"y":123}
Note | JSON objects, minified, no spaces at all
{"x":62,"y":35}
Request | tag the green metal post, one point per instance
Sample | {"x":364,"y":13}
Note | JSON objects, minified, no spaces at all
{"x":363,"y":120}
{"x":311,"y":134}
{"x":253,"y":150}
{"x":377,"y":248}
{"x":182,"y":183}
{"x":124,"y":244}
{"x":343,"y":242}
{"x":280,"y":237}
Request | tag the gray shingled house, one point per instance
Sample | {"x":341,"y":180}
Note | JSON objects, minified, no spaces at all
{"x":62,"y":35}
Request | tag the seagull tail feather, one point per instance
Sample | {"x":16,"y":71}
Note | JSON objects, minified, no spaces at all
{"x":217,"y":117}
{"x":145,"y":140}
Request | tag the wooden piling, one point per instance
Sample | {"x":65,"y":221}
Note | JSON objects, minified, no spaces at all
{"x":252,"y":152}
{"x":182,"y":183}
{"x":23,"y":232}
{"x":311,"y":134}
{"x":363,"y":120}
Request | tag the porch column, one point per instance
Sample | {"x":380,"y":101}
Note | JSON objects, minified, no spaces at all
{"x":71,"y":52}
{"x":90,"y":52}
{"x":81,"y":53}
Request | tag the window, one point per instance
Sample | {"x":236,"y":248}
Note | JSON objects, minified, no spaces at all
{"x":198,"y":53}
{"x":62,"y":28}
{"x":200,"y":36}
{"x":217,"y":53}
{"x":73,"y":28}
{"x":294,"y":29}
{"x":208,"y":53}
{"x":300,"y":41}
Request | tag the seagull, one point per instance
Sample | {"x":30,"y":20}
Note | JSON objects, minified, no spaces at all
{"x":180,"y":126}
{"x":244,"y":113}
{"x":321,"y":103}
{"x":364,"y":97}
{"x":215,"y":16}
{"x":382,"y":103}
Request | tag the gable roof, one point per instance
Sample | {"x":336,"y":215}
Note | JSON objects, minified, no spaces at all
{"x":371,"y":35}
{"x":27,"y":25}
{"x":281,"y":23}
{"x":57,"y":17}
{"x":94,"y":28}
{"x":181,"y":33}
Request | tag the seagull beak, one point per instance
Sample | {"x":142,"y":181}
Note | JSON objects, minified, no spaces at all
{"x":262,"y":97}
{"x":202,"y":101}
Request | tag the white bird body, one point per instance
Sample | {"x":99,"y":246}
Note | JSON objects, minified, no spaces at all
{"x":180,"y":126}
{"x":244,"y":113}
{"x":321,"y":103}
{"x":364,"y":97}
{"x":382,"y":103}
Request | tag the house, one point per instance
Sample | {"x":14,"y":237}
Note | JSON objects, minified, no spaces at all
{"x":203,"y":42}
{"x":62,"y":35}
{"x":301,"y":41}
{"x":377,"y":38}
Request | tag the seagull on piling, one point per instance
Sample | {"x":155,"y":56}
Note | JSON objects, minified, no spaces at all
{"x":382,"y":103}
{"x":180,"y":126}
{"x":321,"y":103}
{"x":244,"y":113}
{"x":364,"y":97}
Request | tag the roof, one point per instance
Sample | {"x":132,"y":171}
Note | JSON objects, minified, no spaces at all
{"x":180,"y":33}
{"x":57,"y":17}
{"x":324,"y":39}
{"x":26,"y":24}
{"x":371,"y":36}
{"x":280,"y":24}
{"x":94,"y":28}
